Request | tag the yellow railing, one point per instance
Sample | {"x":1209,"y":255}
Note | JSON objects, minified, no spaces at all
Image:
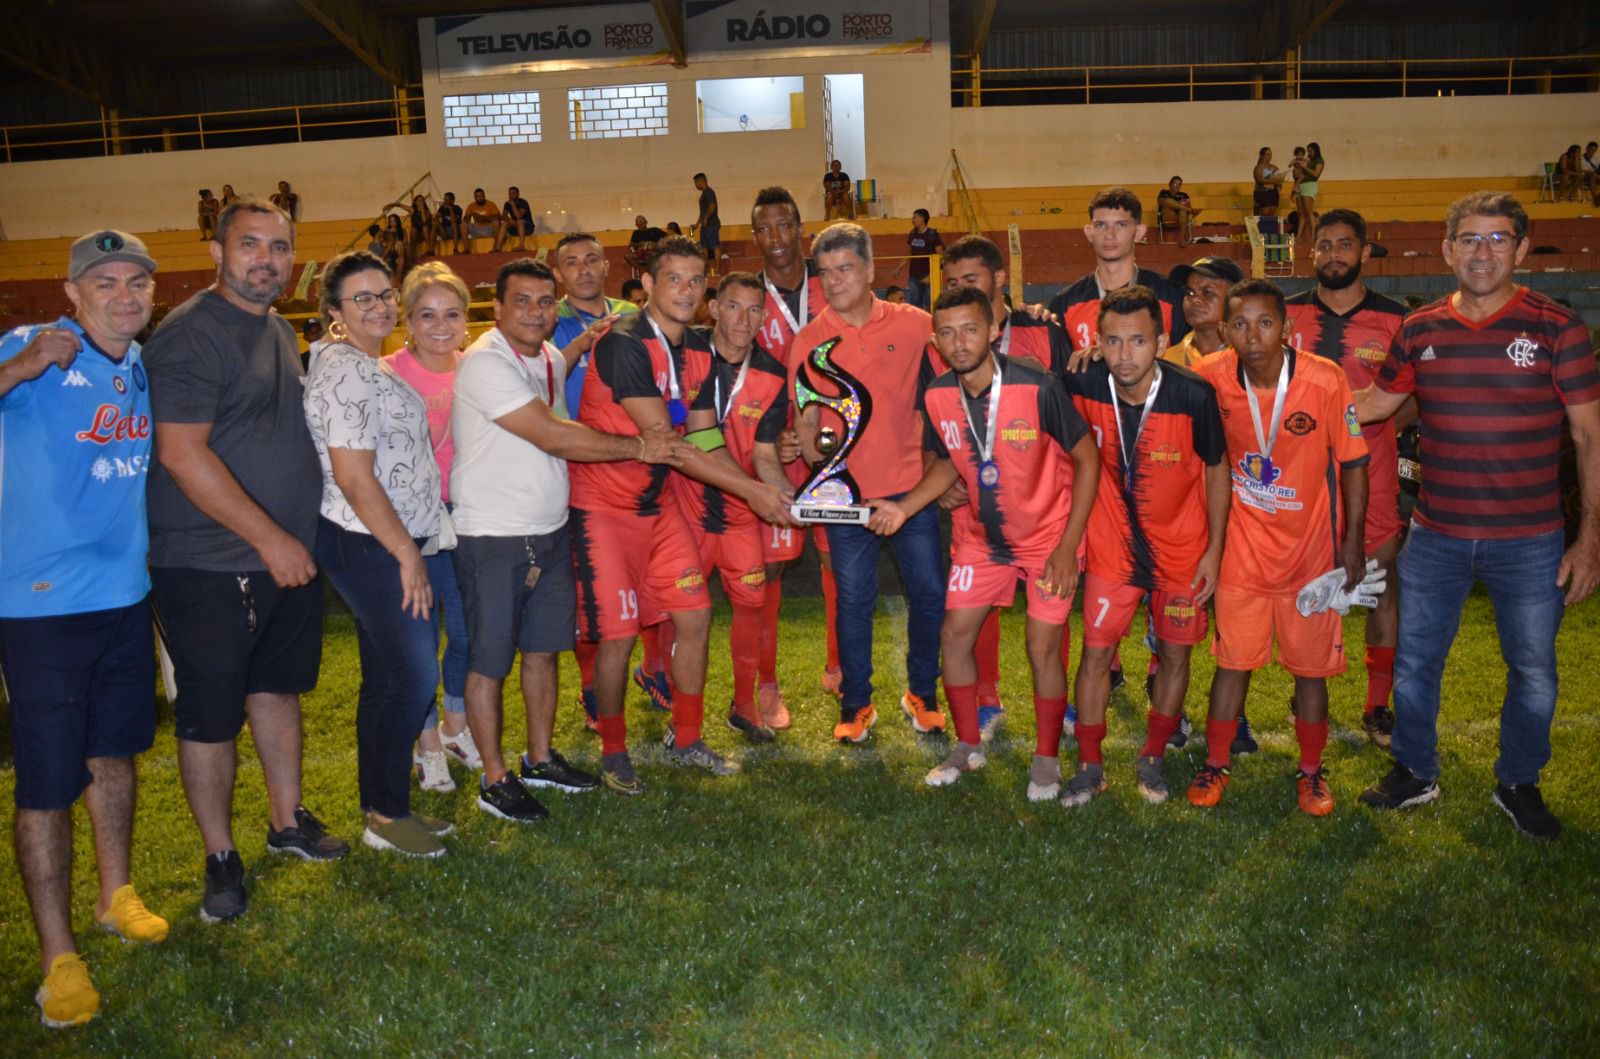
{"x":113,"y":133}
{"x":971,"y":81}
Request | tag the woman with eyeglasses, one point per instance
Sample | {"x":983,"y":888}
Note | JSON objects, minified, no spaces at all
{"x":433,"y":301}
{"x":382,"y":508}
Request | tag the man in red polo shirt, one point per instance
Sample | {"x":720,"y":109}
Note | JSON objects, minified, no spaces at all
{"x":886,"y":347}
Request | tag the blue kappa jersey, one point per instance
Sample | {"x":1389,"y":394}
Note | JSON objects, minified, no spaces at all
{"x":75,"y":447}
{"x":570,"y":322}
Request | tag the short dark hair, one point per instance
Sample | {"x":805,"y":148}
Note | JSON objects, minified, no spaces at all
{"x":477,"y":191}
{"x":974,"y":246}
{"x":672,"y":246}
{"x":373,"y":229}
{"x":1477,"y":204}
{"x":248,"y":204}
{"x":450,"y":194}
{"x":341,"y":268}
{"x":513,"y":190}
{"x":522,"y":266}
{"x":1357,"y":223}
{"x":1130,"y":301}
{"x":955,"y":297}
{"x":698,"y":176}
{"x":575,"y":237}
{"x":1262,"y":288}
{"x":892,"y":289}
{"x":741,"y":279}
{"x":1117,"y":198}
{"x":630,"y":285}
{"x":926,"y":217}
{"x":775,"y":196}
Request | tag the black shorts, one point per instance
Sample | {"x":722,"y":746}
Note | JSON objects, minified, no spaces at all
{"x":519,"y":226}
{"x":81,"y":686}
{"x":504,"y":615}
{"x":1265,"y":197}
{"x":218,"y":658}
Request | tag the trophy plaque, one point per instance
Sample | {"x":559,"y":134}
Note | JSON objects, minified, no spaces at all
{"x":831,"y":495}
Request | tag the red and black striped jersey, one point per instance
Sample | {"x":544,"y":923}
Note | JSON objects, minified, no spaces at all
{"x":788,"y":312}
{"x":1022,"y":517}
{"x":1149,"y":526}
{"x":1078,"y":307}
{"x":631,"y":359}
{"x":1043,"y":342}
{"x":754,"y":413}
{"x":1492,"y":396}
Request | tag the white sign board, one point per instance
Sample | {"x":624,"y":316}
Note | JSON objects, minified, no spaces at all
{"x":731,"y":29}
{"x":562,"y":38}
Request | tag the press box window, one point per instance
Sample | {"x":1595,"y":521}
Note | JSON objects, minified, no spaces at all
{"x":751,"y":104}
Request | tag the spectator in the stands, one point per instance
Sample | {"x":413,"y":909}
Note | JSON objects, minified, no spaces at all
{"x":448,"y":227}
{"x":836,"y":197}
{"x":379,"y":246}
{"x":709,"y":223}
{"x":1268,"y":180}
{"x":1175,"y":211}
{"x":311,"y":333}
{"x":516,"y":219}
{"x":421,"y":225}
{"x":895,"y":294}
{"x":482,"y":217}
{"x":209,"y":208}
{"x":633,"y":291}
{"x":922,"y":241}
{"x":396,"y":251}
{"x":228,"y":195}
{"x":1591,"y":170}
{"x":1307,"y":172}
{"x":673,"y":229}
{"x":640,"y":244}
{"x":286,"y":200}
{"x":1569,"y":174}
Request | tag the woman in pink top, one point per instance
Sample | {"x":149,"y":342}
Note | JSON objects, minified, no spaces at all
{"x":433,"y":302}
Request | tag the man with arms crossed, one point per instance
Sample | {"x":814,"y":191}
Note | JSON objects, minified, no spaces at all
{"x":1495,"y":368}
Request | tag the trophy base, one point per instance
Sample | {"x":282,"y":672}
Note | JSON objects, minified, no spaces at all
{"x":835,"y":514}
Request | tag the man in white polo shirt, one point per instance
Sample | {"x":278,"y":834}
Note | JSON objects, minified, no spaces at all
{"x":512,"y":438}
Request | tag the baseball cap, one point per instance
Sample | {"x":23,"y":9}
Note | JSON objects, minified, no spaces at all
{"x":97,"y":248}
{"x":1221,"y":268}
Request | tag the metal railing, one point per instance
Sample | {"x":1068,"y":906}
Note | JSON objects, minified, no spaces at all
{"x":1290,"y":78}
{"x":115,"y":134}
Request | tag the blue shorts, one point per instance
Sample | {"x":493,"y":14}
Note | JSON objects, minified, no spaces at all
{"x":82,"y":686}
{"x":504,"y":615}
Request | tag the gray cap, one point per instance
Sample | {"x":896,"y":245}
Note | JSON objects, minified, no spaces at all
{"x":97,"y":248}
{"x":1225,"y":269}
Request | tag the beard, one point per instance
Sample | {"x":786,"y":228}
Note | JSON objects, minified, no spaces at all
{"x":1340,"y":281}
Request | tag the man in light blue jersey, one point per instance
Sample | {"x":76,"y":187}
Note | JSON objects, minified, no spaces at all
{"x":584,"y":312}
{"x":76,"y":646}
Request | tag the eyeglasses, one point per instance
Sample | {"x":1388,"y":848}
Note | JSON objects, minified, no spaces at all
{"x":366,"y":301}
{"x":1499,"y":242}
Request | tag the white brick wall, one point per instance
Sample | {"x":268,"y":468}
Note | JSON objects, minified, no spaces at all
{"x":617,"y":112}
{"x":504,"y":117}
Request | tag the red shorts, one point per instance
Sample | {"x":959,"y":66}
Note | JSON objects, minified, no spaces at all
{"x":1248,"y":624}
{"x":631,"y":565}
{"x":779,"y":544}
{"x":1383,"y":519}
{"x":1108,"y":610}
{"x":736,"y":555}
{"x":820,"y":535}
{"x":976,"y":581}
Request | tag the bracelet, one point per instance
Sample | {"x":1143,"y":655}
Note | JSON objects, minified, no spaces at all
{"x":640,"y":457}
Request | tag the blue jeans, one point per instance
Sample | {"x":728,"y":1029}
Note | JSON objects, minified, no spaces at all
{"x":399,"y":664}
{"x":1436,"y":574}
{"x":917,"y":293}
{"x":920,"y":557}
{"x":447,"y":601}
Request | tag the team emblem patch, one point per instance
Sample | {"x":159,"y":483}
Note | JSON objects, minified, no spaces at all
{"x":118,"y":385}
{"x":1180,"y":611}
{"x":1351,"y":423}
{"x":1300,"y":424}
{"x":1259,"y":468}
{"x":138,"y":376}
{"x":108,"y":242}
{"x":1019,"y":434}
{"x":1521,"y":350}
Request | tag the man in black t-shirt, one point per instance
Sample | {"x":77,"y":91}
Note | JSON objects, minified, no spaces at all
{"x":643,"y":240}
{"x":516,"y":219}
{"x":709,"y":224}
{"x":922,"y":241}
{"x":451,"y":229}
{"x":836,"y":197}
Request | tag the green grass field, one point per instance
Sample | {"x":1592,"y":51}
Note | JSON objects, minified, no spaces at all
{"x":827,"y":903}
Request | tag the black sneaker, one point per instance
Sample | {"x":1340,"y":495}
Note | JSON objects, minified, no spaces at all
{"x":1118,"y":679}
{"x":1402,"y":789}
{"x":225,"y":896}
{"x":1525,"y":805}
{"x":509,"y":800}
{"x":1243,"y":742}
{"x":307,"y":839}
{"x":616,"y":772}
{"x":1379,"y":725}
{"x":558,"y":774}
{"x":1180,"y":738}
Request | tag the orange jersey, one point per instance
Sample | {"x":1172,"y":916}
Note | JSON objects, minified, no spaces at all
{"x":893,"y":358}
{"x":1149,"y":527}
{"x":632,"y":360}
{"x":1285,"y":523}
{"x":752,"y":414}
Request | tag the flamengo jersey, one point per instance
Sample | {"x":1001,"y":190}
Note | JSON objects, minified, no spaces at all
{"x":630,"y":360}
{"x":1492,"y":397}
{"x":1022,"y":518}
{"x":1152,"y":535}
{"x":74,"y":452}
{"x":776,"y":335}
{"x":1284,"y":523}
{"x":754,"y":414}
{"x":1358,"y":342}
{"x":1078,"y":307}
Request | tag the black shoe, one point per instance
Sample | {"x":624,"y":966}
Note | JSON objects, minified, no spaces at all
{"x":1525,"y":805}
{"x":509,"y":800}
{"x":1243,"y":742}
{"x":1180,"y":736}
{"x":558,"y":774}
{"x":1118,"y":679}
{"x":307,"y":839}
{"x":753,"y":730}
{"x":1401,"y":789}
{"x":1379,"y":725}
{"x":225,"y":896}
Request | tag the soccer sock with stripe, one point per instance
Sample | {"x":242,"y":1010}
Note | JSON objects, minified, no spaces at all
{"x":1219,"y":741}
{"x":688,"y":711}
{"x":744,"y":640}
{"x":830,"y":607}
{"x":1158,"y":729}
{"x":987,"y":652}
{"x":613,"y":734}
{"x":963,"y":699}
{"x":1312,"y":737}
{"x":770,"y":604}
{"x":1380,"y":676}
{"x":1049,"y":715}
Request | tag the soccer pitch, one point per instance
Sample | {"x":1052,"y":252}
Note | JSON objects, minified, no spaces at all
{"x":827,"y":903}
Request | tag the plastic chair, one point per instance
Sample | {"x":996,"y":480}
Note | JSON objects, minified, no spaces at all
{"x":1547,"y":187}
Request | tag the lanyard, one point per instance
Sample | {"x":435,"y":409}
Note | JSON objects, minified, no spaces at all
{"x":672,"y":369}
{"x":549,"y":378}
{"x":1123,"y":449}
{"x":783,"y":306}
{"x":1005,"y":338}
{"x":1264,"y":439}
{"x":738,"y":383}
{"x":986,"y":443}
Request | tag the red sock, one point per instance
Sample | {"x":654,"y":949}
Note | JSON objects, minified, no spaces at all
{"x":768,"y":665}
{"x":1158,"y":729}
{"x":687,"y":713}
{"x":613,"y":734}
{"x":586,"y":652}
{"x":744,"y":640}
{"x":830,"y":606}
{"x":1090,"y":737}
{"x":650,"y":638}
{"x":1049,"y":715}
{"x":1219,"y":741}
{"x":1380,"y":676}
{"x":1312,"y":738}
{"x":988,"y":651}
{"x":963,"y":699}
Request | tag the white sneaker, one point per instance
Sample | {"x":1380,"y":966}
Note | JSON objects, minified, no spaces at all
{"x":966,"y":757}
{"x":461,"y":747}
{"x":433,"y":771}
